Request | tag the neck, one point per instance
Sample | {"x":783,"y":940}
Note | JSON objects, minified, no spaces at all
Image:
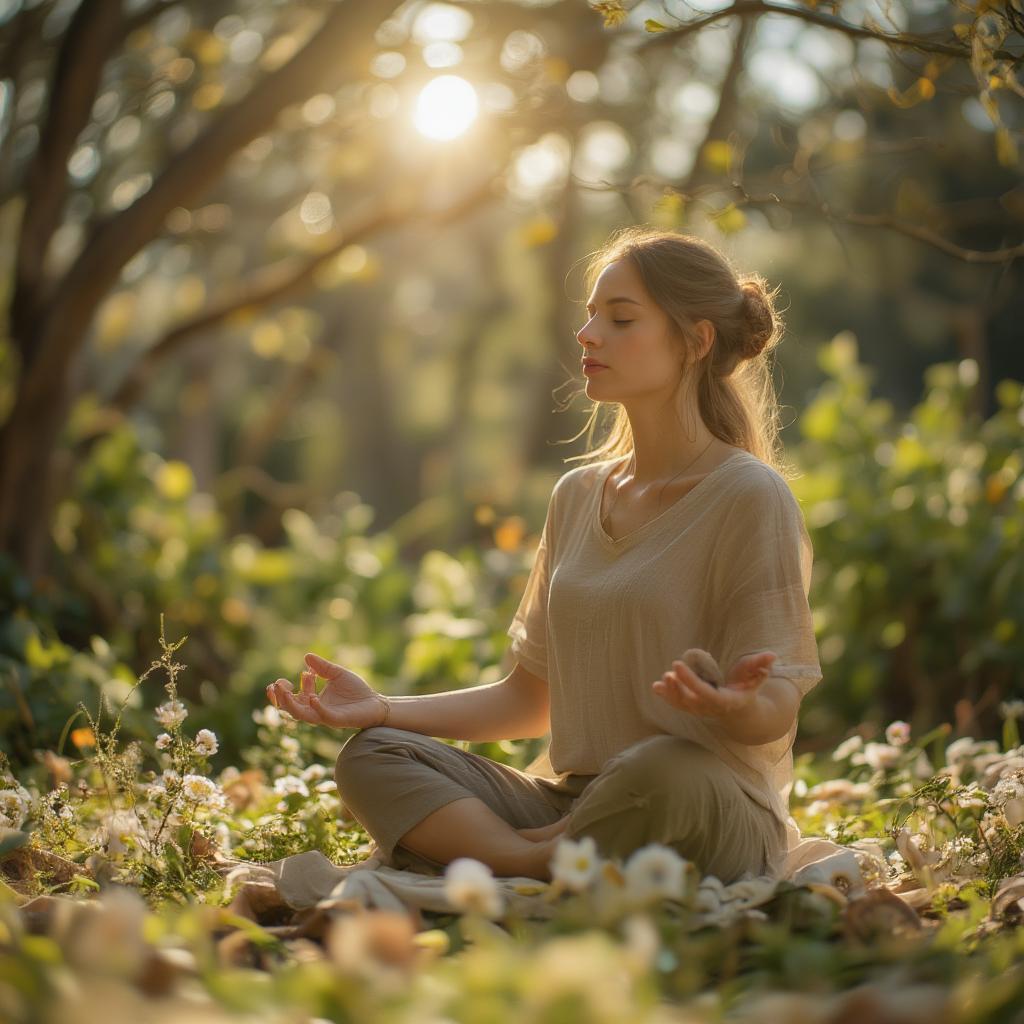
{"x":662,"y":448}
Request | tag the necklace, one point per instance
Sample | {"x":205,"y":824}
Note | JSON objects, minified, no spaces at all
{"x":607,"y":516}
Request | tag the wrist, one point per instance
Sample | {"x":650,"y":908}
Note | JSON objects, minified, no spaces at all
{"x":387,"y":709}
{"x":742,"y":724}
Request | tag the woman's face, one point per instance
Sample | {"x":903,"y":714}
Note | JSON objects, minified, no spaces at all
{"x":630,"y":336}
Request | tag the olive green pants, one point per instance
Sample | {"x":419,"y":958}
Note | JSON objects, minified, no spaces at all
{"x":663,"y":789}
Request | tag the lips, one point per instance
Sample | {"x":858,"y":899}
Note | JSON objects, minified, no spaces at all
{"x":592,"y":362}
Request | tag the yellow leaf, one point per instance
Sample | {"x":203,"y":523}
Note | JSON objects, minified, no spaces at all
{"x":208,"y":96}
{"x":174,"y":480}
{"x":208,"y":48}
{"x":668,"y":210}
{"x":267,"y":339}
{"x":538,"y":231}
{"x":115,"y":319}
{"x":717,"y":154}
{"x":730,"y":219}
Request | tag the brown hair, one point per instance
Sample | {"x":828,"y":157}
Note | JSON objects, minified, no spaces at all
{"x":691,"y":281}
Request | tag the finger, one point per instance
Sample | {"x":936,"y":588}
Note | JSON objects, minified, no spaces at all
{"x":297,"y":710}
{"x":322,"y":667}
{"x":308,"y":682}
{"x":278,"y":688}
{"x":271,"y":694}
{"x":675,"y":693}
{"x":667,"y":692}
{"x":686,"y":675}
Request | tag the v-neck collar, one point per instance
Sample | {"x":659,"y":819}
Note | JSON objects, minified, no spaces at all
{"x":620,"y":543}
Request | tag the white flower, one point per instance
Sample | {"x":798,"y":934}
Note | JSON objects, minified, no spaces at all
{"x":575,"y":862}
{"x":14,"y":805}
{"x":116,"y":826}
{"x":897,"y":733}
{"x":655,"y":872}
{"x":847,"y":747}
{"x":290,"y":784}
{"x":967,"y":747}
{"x":163,"y":741}
{"x":171,"y":714}
{"x":315,"y":771}
{"x":840,"y":790}
{"x":290,"y":745}
{"x":749,"y":892}
{"x":206,"y":742}
{"x":269,"y":716}
{"x":471,"y":888}
{"x":879,"y":756}
{"x":199,"y":788}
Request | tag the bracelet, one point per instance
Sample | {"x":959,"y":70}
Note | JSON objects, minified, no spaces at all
{"x":387,"y":709}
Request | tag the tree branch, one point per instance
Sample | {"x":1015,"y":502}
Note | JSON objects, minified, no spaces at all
{"x":284,"y":279}
{"x":186,"y":178}
{"x":885,"y":220}
{"x":754,"y":8}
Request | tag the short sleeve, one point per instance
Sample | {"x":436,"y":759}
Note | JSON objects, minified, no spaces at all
{"x":529,"y":624}
{"x":762,"y":582}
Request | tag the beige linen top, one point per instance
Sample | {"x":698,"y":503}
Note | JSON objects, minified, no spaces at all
{"x":727,"y":568}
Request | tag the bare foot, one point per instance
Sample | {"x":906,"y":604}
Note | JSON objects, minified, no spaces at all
{"x":541,"y":865}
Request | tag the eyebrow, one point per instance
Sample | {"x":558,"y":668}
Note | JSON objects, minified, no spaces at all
{"x":620,"y":298}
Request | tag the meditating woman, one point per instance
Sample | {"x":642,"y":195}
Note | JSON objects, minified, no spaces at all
{"x":678,"y":536}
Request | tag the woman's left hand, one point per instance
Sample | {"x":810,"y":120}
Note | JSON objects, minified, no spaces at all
{"x":683,"y":688}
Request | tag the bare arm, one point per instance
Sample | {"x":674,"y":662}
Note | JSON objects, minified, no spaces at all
{"x":515,"y":707}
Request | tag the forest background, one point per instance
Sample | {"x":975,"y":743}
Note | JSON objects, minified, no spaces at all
{"x":290,"y":350}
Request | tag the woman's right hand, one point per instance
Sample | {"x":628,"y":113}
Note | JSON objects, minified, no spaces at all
{"x":346,"y":702}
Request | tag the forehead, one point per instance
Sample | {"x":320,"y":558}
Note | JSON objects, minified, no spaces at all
{"x":619,"y":280}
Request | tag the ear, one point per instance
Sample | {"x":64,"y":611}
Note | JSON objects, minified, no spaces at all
{"x":706,"y":335}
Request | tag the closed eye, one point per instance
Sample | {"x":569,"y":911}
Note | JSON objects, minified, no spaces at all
{"x":622,"y":322}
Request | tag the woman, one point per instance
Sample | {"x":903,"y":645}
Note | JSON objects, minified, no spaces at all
{"x":679,"y":533}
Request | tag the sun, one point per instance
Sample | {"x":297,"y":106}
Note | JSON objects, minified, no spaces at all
{"x":445,"y":107}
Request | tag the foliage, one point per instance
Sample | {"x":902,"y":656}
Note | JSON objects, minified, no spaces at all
{"x":136,"y":538}
{"x":917,"y":527}
{"x":622,"y":941}
{"x":917,"y":593}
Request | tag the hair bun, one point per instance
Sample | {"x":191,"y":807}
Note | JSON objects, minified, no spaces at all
{"x":759,"y":317}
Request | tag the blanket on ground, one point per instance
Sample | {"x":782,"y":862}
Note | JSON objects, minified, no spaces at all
{"x":310,"y":880}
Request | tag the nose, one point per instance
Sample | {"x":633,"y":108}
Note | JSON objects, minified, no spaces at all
{"x":583,"y":336}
